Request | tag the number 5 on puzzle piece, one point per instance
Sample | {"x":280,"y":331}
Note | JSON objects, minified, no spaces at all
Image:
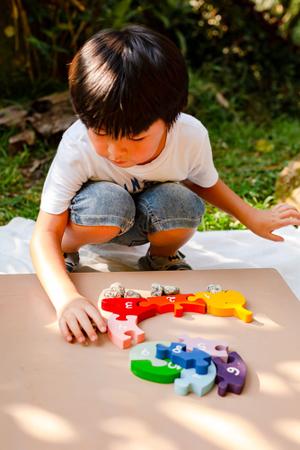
{"x":231,"y":376}
{"x":178,"y":304}
{"x":225,"y":304}
{"x":177,"y":353}
{"x":213,"y":348}
{"x":190,"y":381}
{"x":123,"y":332}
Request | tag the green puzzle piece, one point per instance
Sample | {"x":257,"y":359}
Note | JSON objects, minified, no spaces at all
{"x":145,"y":365}
{"x":160,"y":374}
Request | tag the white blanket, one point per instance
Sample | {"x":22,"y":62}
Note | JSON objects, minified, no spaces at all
{"x":206,"y":250}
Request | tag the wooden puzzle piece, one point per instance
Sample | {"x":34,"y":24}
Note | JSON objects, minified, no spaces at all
{"x":190,"y":381}
{"x":128,"y":306}
{"x":123,"y":332}
{"x":147,"y":351}
{"x":177,"y":353}
{"x":231,"y":376}
{"x":148,"y":369}
{"x":178,"y":303}
{"x":225,"y":304}
{"x":212,"y":347}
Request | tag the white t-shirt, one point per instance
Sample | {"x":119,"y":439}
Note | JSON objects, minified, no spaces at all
{"x":187,"y":155}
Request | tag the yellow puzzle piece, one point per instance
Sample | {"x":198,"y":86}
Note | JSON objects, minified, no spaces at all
{"x":225,"y":304}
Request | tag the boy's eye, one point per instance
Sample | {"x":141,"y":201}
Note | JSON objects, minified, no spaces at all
{"x":100,"y":132}
{"x":137,"y":139}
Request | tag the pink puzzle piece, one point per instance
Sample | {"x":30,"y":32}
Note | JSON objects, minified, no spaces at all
{"x":123,"y":332}
{"x":213,"y":348}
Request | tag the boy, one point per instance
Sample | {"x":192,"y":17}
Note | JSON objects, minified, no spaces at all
{"x":133,"y":169}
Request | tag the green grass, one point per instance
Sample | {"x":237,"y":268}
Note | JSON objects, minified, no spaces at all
{"x":248,"y":157}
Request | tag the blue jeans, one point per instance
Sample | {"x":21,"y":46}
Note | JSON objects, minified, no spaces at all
{"x":160,"y":207}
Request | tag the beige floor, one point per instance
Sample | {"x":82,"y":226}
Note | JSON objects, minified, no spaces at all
{"x":54,"y":395}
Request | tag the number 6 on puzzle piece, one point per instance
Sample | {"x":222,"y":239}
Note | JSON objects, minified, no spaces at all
{"x":231,"y":376}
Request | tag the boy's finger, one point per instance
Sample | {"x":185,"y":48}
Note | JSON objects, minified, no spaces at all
{"x":275,"y":237}
{"x":290,"y":213}
{"x":95,"y":315}
{"x":75,"y":329}
{"x":86,"y":325}
{"x":65,"y":330}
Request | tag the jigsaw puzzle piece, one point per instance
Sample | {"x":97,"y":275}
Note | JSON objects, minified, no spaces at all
{"x":128,"y":306}
{"x":231,"y":376}
{"x":177,"y":303}
{"x":177,"y":353}
{"x":123,"y":332}
{"x":147,"y":350}
{"x":145,"y":365}
{"x":225,"y":304}
{"x":190,"y":381}
{"x":213,"y":348}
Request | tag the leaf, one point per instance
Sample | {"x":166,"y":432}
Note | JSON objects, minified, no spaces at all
{"x":9,"y":31}
{"x":264,"y":146}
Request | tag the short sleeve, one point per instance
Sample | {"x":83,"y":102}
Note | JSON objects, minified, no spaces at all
{"x":202,"y":171}
{"x":65,"y":177}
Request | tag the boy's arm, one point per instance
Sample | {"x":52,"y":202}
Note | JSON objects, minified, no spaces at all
{"x":71,"y":307}
{"x":261,"y":222}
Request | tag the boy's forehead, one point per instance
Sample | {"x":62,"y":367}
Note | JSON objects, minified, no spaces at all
{"x":154,"y":127}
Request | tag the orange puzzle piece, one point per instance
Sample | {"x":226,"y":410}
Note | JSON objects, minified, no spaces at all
{"x":179,"y":303}
{"x":224,"y":304}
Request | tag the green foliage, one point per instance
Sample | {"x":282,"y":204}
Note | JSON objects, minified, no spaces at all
{"x":249,"y":50}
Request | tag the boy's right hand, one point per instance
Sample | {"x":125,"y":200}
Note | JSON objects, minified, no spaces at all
{"x":75,"y":319}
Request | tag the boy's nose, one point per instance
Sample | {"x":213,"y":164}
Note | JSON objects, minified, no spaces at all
{"x":116,"y":151}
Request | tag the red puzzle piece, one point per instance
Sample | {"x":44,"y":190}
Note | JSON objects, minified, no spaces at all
{"x":128,"y":306}
{"x":178,"y":303}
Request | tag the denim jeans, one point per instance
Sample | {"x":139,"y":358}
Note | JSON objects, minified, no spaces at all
{"x":162,"y":206}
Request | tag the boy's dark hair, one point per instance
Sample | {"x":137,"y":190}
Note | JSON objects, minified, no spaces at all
{"x":122,"y":81}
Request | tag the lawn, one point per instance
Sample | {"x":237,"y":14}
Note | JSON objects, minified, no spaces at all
{"x":247,"y":155}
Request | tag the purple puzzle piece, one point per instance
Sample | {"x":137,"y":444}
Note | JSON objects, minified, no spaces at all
{"x":231,"y":376}
{"x":212,"y":347}
{"x":177,"y":353}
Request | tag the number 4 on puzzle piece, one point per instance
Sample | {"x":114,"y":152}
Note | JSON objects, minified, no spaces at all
{"x":231,"y":376}
{"x":177,"y":353}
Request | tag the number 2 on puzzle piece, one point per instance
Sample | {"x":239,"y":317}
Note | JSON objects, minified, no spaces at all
{"x":177,"y":303}
{"x":123,"y":332}
{"x":145,"y":365}
{"x":225,"y":304}
{"x":177,"y":353}
{"x":190,"y":381}
{"x":231,"y":376}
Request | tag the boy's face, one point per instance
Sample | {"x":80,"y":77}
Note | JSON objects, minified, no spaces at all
{"x":128,"y":152}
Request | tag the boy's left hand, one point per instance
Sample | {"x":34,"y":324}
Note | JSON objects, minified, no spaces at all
{"x":264,"y":222}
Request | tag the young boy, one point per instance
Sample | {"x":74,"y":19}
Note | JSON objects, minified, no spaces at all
{"x":133,"y":169}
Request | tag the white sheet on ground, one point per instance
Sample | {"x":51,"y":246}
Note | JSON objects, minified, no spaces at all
{"x":206,"y":250}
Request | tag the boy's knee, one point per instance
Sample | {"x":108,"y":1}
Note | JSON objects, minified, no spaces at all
{"x":174,"y":201}
{"x":103,"y":204}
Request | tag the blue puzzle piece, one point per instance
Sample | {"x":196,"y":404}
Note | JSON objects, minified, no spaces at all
{"x":177,"y":353}
{"x":190,"y":381}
